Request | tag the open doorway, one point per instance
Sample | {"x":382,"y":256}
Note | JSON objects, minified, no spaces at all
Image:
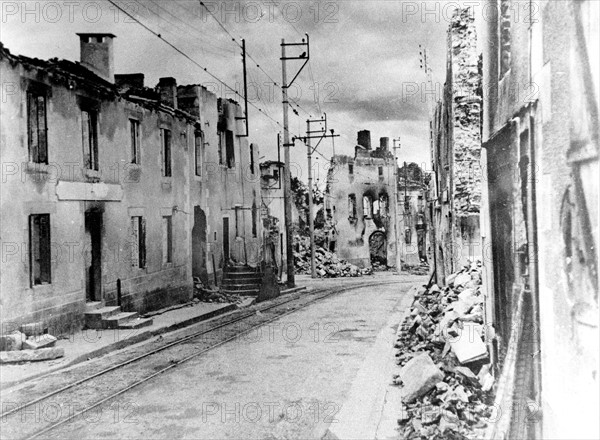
{"x":199,"y":245}
{"x":93,"y":256}
{"x":378,"y":249}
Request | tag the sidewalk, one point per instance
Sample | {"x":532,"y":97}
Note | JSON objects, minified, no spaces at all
{"x":87,"y":344}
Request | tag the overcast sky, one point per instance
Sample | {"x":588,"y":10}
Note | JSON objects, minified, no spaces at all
{"x":364,"y":57}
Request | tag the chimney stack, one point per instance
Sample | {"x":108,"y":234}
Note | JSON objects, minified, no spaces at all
{"x":384,"y":143}
{"x":364,"y":139}
{"x":96,"y":54}
{"x":167,"y":88}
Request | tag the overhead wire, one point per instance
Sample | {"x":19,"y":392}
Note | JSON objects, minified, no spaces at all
{"x":185,"y":55}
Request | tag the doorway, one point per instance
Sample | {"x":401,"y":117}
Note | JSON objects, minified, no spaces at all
{"x":226,"y":240}
{"x":199,"y":245}
{"x":378,"y":249}
{"x":93,"y":256}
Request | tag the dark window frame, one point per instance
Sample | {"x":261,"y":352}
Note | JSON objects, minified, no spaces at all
{"x":141,"y":241}
{"x":135,"y":140}
{"x":40,"y":256}
{"x":38,"y":150}
{"x":166,"y":140}
{"x":168,"y":258}
{"x":89,"y":136}
{"x":229,"y":148}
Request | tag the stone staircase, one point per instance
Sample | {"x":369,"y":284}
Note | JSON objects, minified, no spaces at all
{"x":112,"y":317}
{"x":241,"y":280}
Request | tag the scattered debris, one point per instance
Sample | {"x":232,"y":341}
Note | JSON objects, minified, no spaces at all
{"x":39,"y":342}
{"x":447,"y":383}
{"x":327,"y":264}
{"x":416,"y":269}
{"x":419,"y":375}
{"x":205,"y":293}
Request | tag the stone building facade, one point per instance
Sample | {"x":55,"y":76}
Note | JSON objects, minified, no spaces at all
{"x":456,"y":153}
{"x":359,"y":204}
{"x":115,"y":193}
{"x":540,"y":133}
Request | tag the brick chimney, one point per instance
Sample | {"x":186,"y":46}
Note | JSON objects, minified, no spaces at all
{"x":96,"y":54}
{"x":167,"y":87}
{"x":364,"y":139}
{"x":384,"y":143}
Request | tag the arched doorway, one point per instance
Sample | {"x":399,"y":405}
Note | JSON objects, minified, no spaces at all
{"x":378,"y":248}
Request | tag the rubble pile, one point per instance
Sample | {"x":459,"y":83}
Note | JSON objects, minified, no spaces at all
{"x":29,"y":344}
{"x":445,"y":374}
{"x":327,"y":264}
{"x":416,"y":269}
{"x":203,"y":293}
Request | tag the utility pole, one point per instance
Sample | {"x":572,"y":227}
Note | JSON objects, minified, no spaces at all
{"x":398,"y":263}
{"x":245,"y":118}
{"x":316,"y":134}
{"x":287,"y":179}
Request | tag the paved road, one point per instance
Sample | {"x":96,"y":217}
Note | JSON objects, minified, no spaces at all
{"x":286,"y":380}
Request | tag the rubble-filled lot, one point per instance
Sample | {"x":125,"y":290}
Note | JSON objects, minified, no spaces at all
{"x":445,"y":376}
{"x":327,"y":264}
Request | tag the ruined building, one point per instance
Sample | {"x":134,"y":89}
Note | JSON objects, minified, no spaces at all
{"x":359,"y":204}
{"x":456,"y":153}
{"x":116,"y":194}
{"x":540,"y":134}
{"x":413,"y":231}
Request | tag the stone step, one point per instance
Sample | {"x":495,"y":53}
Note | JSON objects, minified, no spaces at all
{"x":116,"y":321}
{"x":92,"y":305}
{"x":238,"y":287}
{"x":136,"y":323}
{"x":238,"y":269}
{"x":249,"y":292}
{"x":242,"y":275}
{"x":242,"y":280}
{"x":94,"y":318}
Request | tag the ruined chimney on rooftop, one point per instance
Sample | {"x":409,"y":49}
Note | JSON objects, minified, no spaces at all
{"x":364,"y":139}
{"x":167,"y":87}
{"x":384,"y":143}
{"x":96,"y":54}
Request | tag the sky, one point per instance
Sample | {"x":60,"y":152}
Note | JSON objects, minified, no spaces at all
{"x":364,"y":69}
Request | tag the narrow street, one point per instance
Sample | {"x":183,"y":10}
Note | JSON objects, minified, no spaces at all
{"x":288,"y":379}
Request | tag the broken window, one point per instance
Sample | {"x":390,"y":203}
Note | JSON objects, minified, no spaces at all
{"x":166,"y":151}
{"x":39,"y":249}
{"x":134,"y":128}
{"x":199,"y":151}
{"x":167,"y":237}
{"x":367,"y":206}
{"x":350,"y":168}
{"x":229,"y":150}
{"x":352,"y":207}
{"x":380,"y":170}
{"x":89,"y":130}
{"x":36,"y":127}
{"x":138,"y":242}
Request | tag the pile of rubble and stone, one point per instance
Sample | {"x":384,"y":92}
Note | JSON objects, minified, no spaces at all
{"x":30,"y":343}
{"x":445,"y":375}
{"x":204,"y":293}
{"x":327,"y":264}
{"x":416,"y":269}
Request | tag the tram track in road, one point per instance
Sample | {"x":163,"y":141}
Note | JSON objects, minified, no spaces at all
{"x":78,"y":397}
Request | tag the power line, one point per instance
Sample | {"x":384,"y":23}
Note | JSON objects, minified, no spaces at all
{"x":252,"y":58}
{"x":181,"y":52}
